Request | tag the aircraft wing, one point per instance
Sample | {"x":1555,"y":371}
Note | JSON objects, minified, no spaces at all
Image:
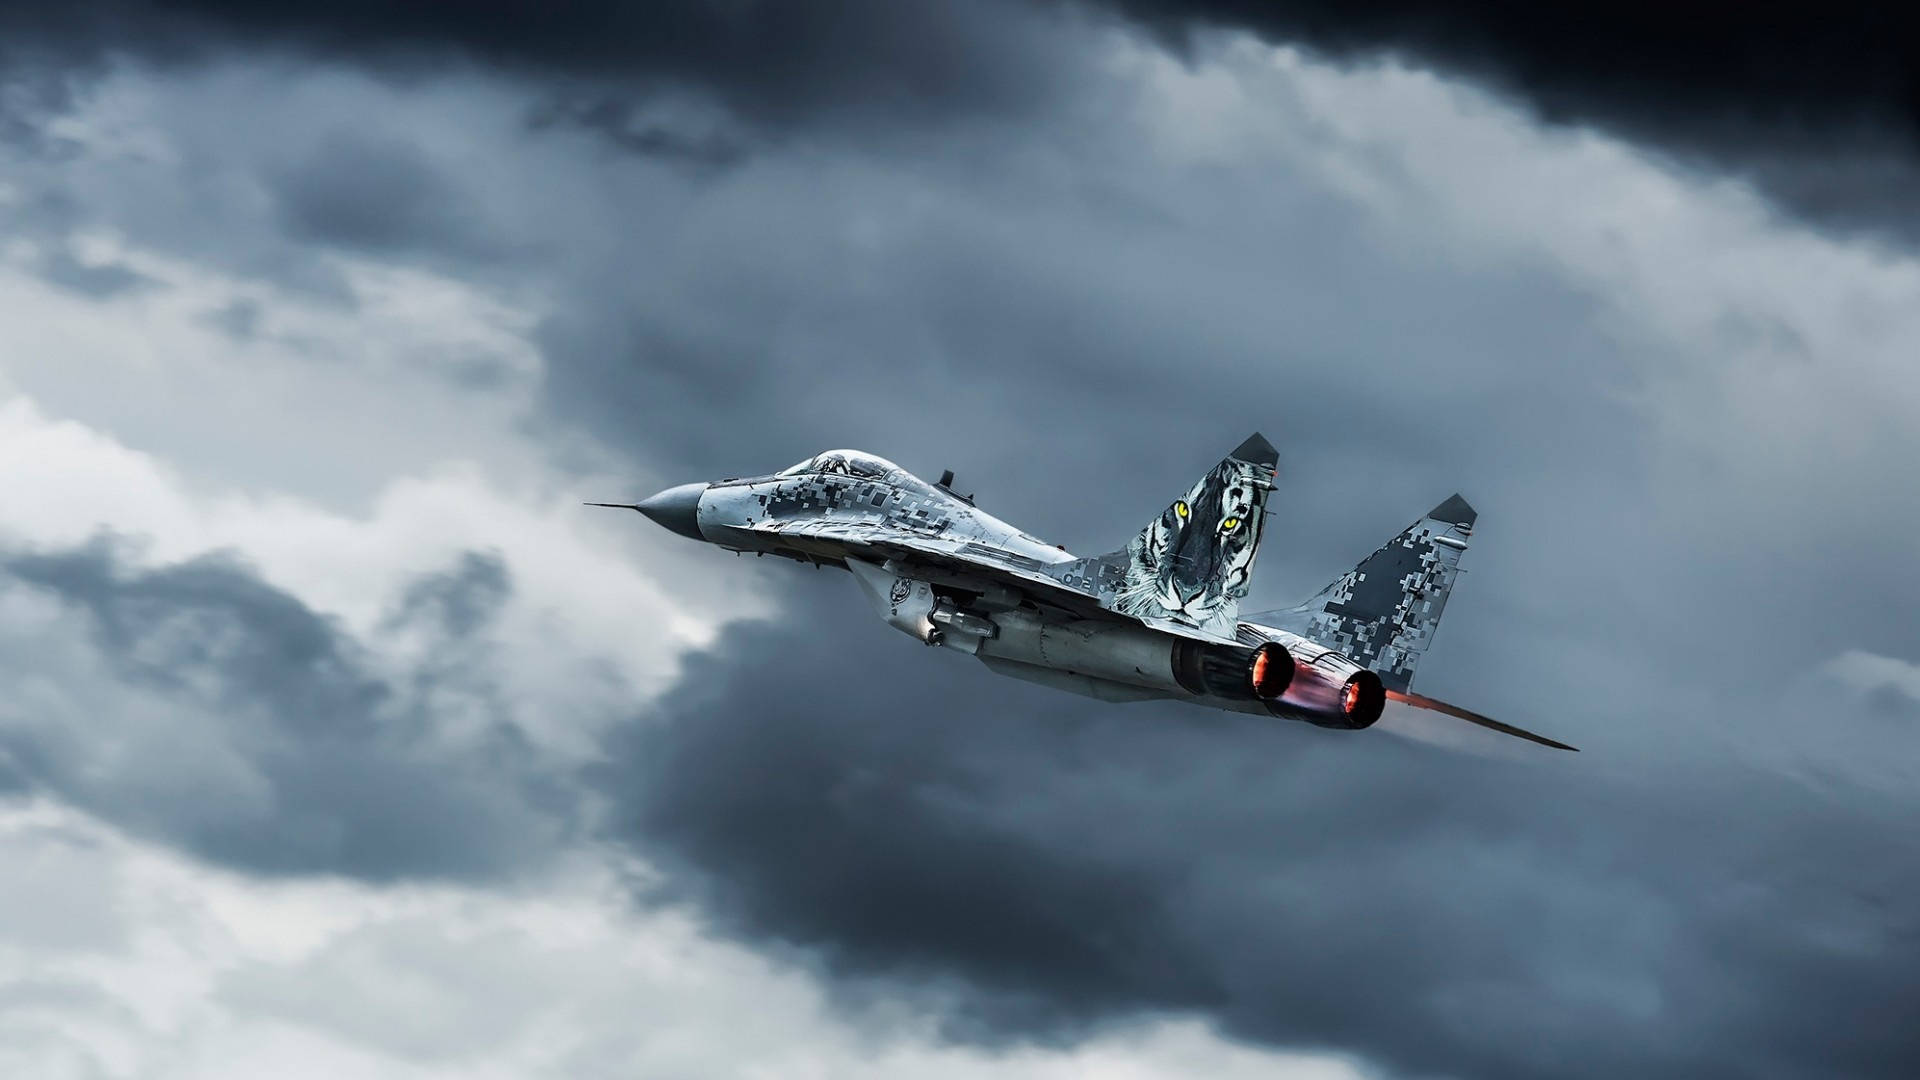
{"x":962,"y":564}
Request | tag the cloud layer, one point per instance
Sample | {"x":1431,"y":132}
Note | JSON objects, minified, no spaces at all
{"x":311,"y":762}
{"x":1817,"y":105}
{"x":1440,"y":913}
{"x":308,"y":367}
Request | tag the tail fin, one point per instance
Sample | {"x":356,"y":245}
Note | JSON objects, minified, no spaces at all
{"x":1192,"y":563}
{"x":1383,"y":612}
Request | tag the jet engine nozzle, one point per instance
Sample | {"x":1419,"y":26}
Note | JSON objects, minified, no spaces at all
{"x":1271,"y":671}
{"x":1362,"y":699}
{"x":1331,"y":691}
{"x":1350,"y":704}
{"x":1236,"y":672}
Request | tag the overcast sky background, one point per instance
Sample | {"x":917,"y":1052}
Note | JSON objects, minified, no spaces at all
{"x":341,"y":740}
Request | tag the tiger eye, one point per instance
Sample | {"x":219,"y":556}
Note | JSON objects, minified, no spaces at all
{"x":1229,"y":525}
{"x":1180,"y":508}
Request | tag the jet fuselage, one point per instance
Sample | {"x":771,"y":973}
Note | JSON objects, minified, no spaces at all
{"x":948,"y":574}
{"x":1158,"y":619}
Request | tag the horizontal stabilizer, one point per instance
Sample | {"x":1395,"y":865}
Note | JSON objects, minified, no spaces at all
{"x":1421,"y":701}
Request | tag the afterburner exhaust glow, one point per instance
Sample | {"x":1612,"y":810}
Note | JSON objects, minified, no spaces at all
{"x":1272,"y":671}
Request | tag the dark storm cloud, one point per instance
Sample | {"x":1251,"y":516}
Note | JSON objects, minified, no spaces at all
{"x":101,"y":281}
{"x":460,"y":602}
{"x":769,"y":62}
{"x":1797,"y":68}
{"x":1080,"y":349}
{"x":252,"y":731}
{"x":377,"y":196}
{"x":914,"y":821}
{"x":1080,"y":324}
{"x":31,"y":92}
{"x":619,"y":122}
{"x":1817,"y":103}
{"x":1792,"y":70}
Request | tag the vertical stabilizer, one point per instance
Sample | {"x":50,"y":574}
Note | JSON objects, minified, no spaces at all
{"x":1192,"y":563}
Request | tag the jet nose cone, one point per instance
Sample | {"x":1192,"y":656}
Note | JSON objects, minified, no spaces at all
{"x":677,"y":508}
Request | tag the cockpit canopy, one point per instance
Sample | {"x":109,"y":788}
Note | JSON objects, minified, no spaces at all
{"x":858,"y":465}
{"x":854,"y":463}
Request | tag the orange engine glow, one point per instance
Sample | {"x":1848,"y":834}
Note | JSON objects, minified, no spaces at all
{"x":1272,"y":670}
{"x":1350,"y":700}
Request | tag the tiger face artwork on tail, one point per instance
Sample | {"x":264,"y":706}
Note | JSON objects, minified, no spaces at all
{"x":1193,"y":561}
{"x":1191,"y":565}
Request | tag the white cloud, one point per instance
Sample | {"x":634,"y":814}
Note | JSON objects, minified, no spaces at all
{"x":1865,"y":671}
{"x":582,"y":608}
{"x":147,"y":965}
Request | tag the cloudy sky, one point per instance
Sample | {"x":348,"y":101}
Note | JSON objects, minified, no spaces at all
{"x":340,"y":740}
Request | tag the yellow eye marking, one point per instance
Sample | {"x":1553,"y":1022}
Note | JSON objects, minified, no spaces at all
{"x":1180,"y":508}
{"x":1229,"y":525}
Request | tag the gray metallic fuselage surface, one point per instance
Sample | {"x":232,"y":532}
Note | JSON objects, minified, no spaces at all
{"x":1157,"y":619}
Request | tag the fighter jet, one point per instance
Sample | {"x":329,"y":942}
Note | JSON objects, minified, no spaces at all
{"x":1156,"y":620}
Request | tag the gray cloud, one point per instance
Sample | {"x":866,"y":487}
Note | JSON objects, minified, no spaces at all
{"x":246,"y":728}
{"x":622,"y":124}
{"x":1079,"y":326}
{"x":915,"y":821}
{"x":101,"y":281}
{"x":239,"y":319}
{"x":377,"y":196}
{"x":460,"y":602}
{"x":33,"y":91}
{"x":773,"y":65}
{"x":1661,"y":906}
{"x":1124,"y":332}
{"x":1816,"y":104}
